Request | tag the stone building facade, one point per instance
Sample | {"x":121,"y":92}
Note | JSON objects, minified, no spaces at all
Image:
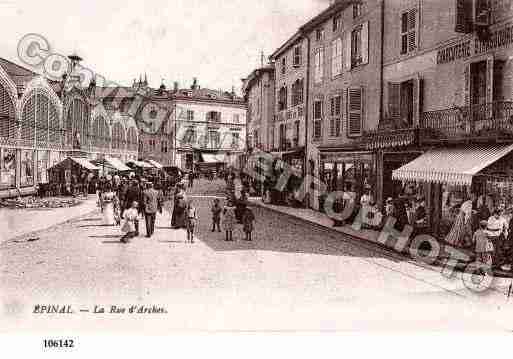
{"x":344,"y":93}
{"x":259,"y":94}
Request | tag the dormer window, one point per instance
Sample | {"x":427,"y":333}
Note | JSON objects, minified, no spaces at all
{"x":319,"y":34}
{"x":337,"y":22}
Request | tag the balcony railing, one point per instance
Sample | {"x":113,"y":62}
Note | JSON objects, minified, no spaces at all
{"x":484,"y":121}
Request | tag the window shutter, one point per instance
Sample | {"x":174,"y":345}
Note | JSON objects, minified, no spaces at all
{"x":394,"y":100}
{"x":404,"y":33}
{"x":347,"y":50}
{"x":364,"y":37}
{"x":466,"y":89}
{"x":354,"y":111}
{"x":463,"y":21}
{"x":489,"y":79}
{"x":412,"y":29}
{"x":417,"y":100}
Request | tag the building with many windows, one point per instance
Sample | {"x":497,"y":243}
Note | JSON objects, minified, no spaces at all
{"x":258,"y":91}
{"x":290,"y":118}
{"x":43,"y":121}
{"x":344,"y":92}
{"x":446,"y":130}
{"x":209,"y":127}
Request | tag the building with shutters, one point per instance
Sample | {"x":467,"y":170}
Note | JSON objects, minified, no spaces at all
{"x":44,"y":121}
{"x":447,"y":103}
{"x":344,"y":93}
{"x":209,"y":127}
{"x":288,"y":132}
{"x":259,"y":92}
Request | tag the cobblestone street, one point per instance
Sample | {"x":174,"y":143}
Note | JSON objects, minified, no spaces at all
{"x":293,"y":276}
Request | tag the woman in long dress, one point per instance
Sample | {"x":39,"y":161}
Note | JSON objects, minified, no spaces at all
{"x":108,"y":208}
{"x":461,"y":231}
{"x":179,"y":204}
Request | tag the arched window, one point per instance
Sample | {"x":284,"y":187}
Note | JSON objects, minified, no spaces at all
{"x":132,"y":139}
{"x":40,"y":118}
{"x":118,"y":136}
{"x":8,"y":123}
{"x":95,"y":132}
{"x":77,"y":122}
{"x":28,"y":121}
{"x":106,"y":138}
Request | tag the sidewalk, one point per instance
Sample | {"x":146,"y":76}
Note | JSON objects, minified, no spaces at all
{"x":321,"y":219}
{"x":17,"y":222}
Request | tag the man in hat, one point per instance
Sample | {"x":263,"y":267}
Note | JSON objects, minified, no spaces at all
{"x":152,"y":204}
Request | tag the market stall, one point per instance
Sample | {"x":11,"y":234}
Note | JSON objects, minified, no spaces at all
{"x":111,"y":165}
{"x":72,"y":173}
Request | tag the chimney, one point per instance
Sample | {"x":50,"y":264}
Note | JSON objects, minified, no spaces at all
{"x":194,"y":83}
{"x":175,"y":86}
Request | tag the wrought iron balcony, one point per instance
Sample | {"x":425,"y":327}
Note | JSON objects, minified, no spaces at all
{"x":484,"y":121}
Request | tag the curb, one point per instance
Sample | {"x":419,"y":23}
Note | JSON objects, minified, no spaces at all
{"x":21,"y":235}
{"x":459,"y":266}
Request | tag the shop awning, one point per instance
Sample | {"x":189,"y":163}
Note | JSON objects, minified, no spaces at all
{"x":83,"y":162}
{"x":141,"y":164}
{"x":451,"y":165}
{"x":116,"y":164}
{"x":155,"y":164}
{"x":213,"y":158}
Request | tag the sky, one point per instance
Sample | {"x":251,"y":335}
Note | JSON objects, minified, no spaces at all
{"x":219,"y":42}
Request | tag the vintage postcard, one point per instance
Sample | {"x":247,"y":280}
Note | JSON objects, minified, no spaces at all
{"x":270,"y":166}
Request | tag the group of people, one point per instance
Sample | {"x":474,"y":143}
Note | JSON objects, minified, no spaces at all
{"x":484,"y":227}
{"x":124,"y":200}
{"x":128,"y":199}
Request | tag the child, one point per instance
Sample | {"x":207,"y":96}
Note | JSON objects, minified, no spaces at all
{"x":229,"y":219}
{"x":117,"y":210}
{"x":484,"y":246}
{"x":247,"y":222}
{"x":216,"y":215}
{"x":191,"y":219}
{"x":129,"y":226}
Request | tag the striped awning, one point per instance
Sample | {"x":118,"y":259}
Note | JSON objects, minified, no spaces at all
{"x":451,"y":165}
{"x":117,"y":164}
{"x":141,"y":164}
{"x":155,"y":164}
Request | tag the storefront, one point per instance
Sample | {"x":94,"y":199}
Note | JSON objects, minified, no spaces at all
{"x":450,"y":176}
{"x":353,"y":171}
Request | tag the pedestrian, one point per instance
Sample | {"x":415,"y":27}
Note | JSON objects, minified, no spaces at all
{"x":117,"y":209}
{"x":247,"y":222}
{"x":133,"y":194}
{"x":131,"y":223}
{"x":191,"y":220}
{"x":191,"y":179}
{"x":151,"y":206}
{"x":216,"y":215}
{"x":497,"y":228}
{"x":483,"y":245}
{"x":229,"y":219}
{"x":179,"y":206}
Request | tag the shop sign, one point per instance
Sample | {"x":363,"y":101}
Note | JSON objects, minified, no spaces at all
{"x":499,"y":38}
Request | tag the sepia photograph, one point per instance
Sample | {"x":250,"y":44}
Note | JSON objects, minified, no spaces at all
{"x":263,"y":167}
